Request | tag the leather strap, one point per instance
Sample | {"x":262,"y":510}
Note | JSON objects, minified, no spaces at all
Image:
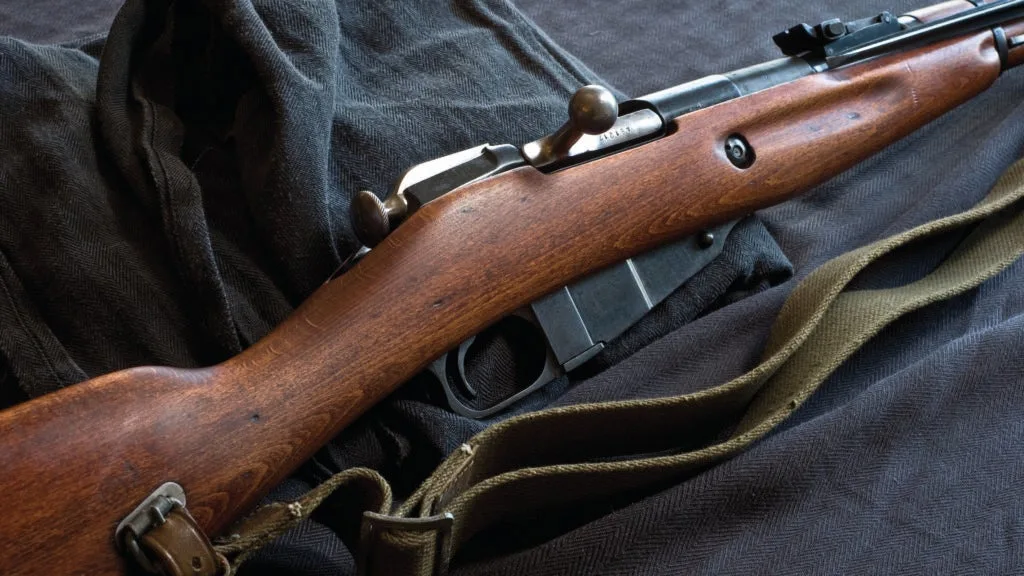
{"x":180,"y":548}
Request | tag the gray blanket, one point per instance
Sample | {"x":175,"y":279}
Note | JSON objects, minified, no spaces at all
{"x":265,"y":119}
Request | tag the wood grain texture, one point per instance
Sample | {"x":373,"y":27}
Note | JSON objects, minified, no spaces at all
{"x":74,"y":463}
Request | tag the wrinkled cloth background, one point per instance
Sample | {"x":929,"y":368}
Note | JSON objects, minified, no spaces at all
{"x":172,"y":201}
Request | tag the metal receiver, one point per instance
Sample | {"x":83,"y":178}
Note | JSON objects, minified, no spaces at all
{"x":842,"y":43}
{"x":577,"y":321}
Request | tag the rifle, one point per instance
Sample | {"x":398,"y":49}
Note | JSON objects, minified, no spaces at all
{"x":88,"y":470}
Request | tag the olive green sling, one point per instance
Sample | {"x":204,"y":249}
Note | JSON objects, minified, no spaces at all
{"x":561,"y":456}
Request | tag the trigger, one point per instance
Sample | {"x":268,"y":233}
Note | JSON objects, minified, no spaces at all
{"x":460,"y":363}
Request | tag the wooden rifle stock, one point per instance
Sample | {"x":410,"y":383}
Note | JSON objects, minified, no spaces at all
{"x":74,"y":463}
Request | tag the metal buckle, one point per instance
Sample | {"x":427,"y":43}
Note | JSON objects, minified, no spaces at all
{"x":151,"y":512}
{"x":374,"y":523}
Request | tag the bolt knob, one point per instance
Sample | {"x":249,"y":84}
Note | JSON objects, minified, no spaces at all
{"x":372,"y":219}
{"x":592,"y":110}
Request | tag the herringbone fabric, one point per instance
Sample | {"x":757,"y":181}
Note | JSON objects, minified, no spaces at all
{"x":170,"y":192}
{"x":905,"y":461}
{"x":557,"y":459}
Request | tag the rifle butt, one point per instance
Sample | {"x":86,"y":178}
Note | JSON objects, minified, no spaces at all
{"x":76,"y":462}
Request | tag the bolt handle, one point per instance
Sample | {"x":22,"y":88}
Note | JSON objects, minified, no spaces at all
{"x":592,"y":110}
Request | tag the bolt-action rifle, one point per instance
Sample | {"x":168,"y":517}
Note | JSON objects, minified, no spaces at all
{"x":89,"y":472}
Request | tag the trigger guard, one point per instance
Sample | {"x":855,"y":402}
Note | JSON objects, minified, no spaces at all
{"x":551,"y":370}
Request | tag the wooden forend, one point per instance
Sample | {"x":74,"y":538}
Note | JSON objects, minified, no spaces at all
{"x":74,"y":463}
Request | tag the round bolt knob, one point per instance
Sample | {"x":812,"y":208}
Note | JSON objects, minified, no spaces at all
{"x":369,"y":218}
{"x":593,"y":110}
{"x":372,"y":219}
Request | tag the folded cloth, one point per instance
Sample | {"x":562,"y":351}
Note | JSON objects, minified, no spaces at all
{"x":904,"y":461}
{"x":171,"y":192}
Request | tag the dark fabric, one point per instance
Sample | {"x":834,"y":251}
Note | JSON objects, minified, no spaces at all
{"x":57,"y":21}
{"x":907,"y":459}
{"x":172,"y":200}
{"x":182,"y":213}
{"x":206,"y":192}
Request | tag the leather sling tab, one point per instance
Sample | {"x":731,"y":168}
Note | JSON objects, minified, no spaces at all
{"x":575,"y":454}
{"x":180,"y":548}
